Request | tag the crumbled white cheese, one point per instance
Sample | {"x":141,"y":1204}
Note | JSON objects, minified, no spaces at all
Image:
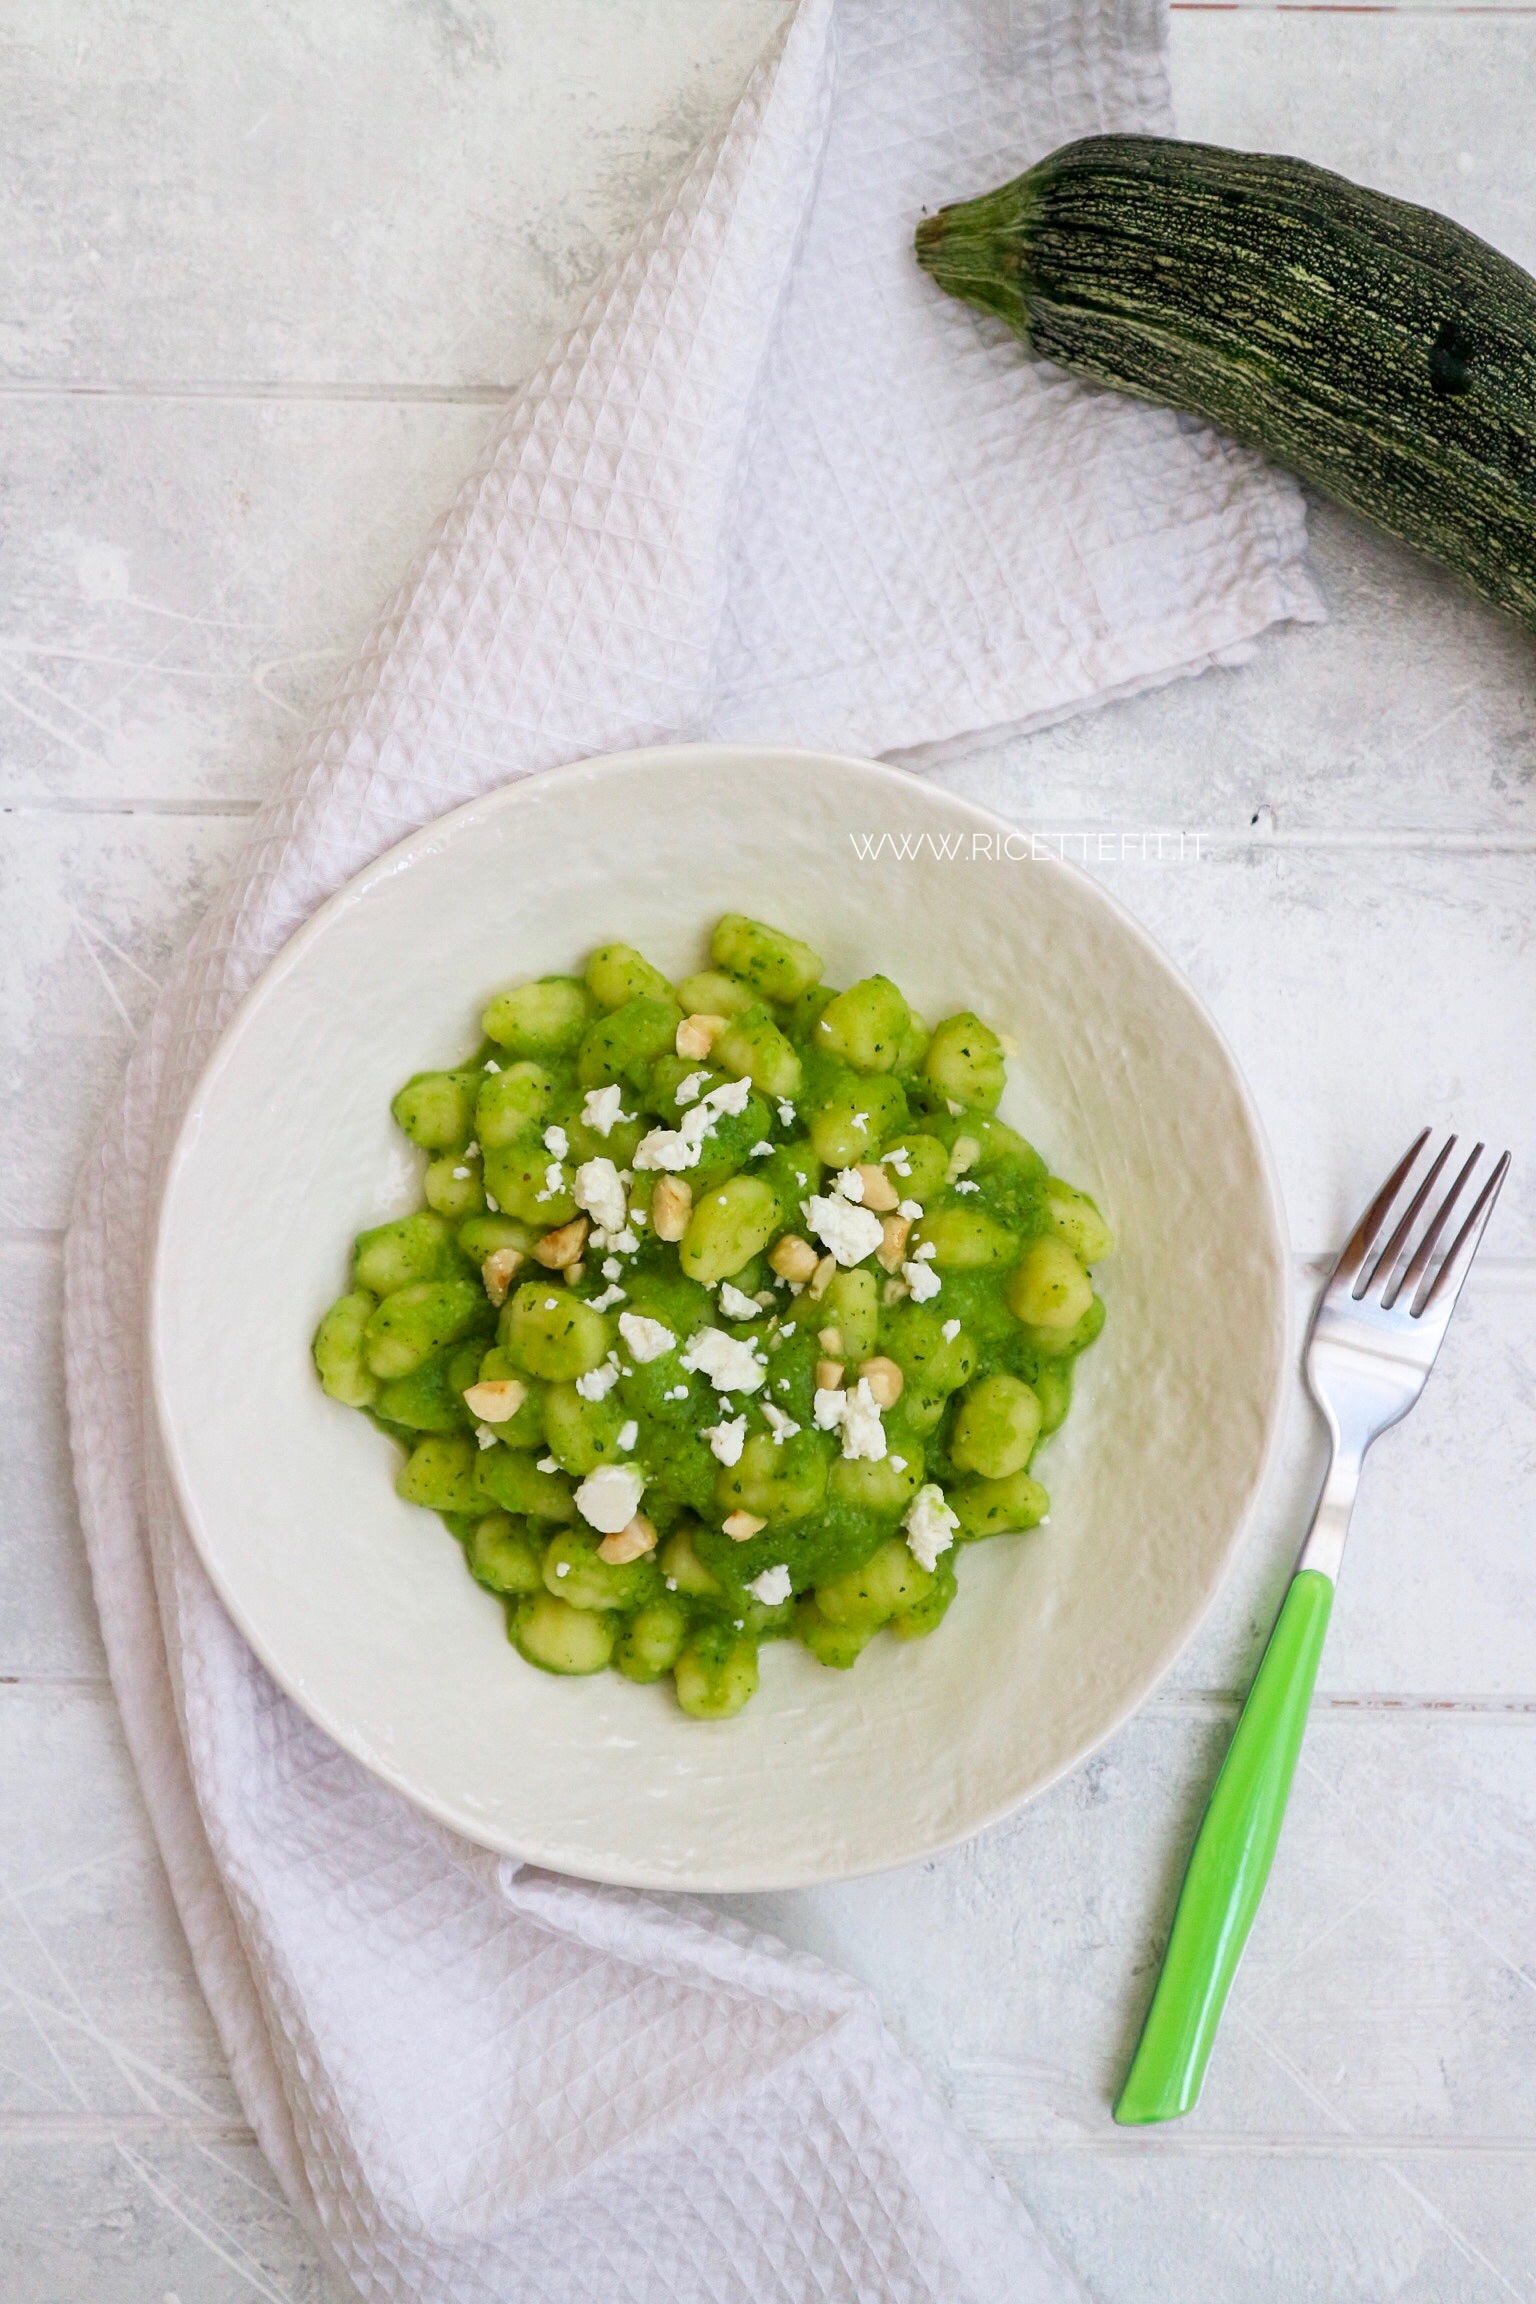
{"x":898,"y":1158}
{"x":781,"y":1426}
{"x":923,"y":1281}
{"x":863,"y":1432}
{"x":773,"y":1587}
{"x":930,"y":1526}
{"x":628,"y":1434}
{"x":554,"y":1181}
{"x":625,"y":1241}
{"x":548,"y":1464}
{"x":600,"y":1191}
{"x":736,"y":1304}
{"x":607,"y":1300}
{"x":669,"y":1148}
{"x":646,"y":1338}
{"x":493,"y":1204}
{"x":950,"y":1331}
{"x":925,"y":1254}
{"x":851,"y":1233}
{"x":760,"y":1149}
{"x":954,"y":1108}
{"x":677,"y":1392}
{"x":487,"y":1435}
{"x":562,"y":1567}
{"x":687,"y":1090}
{"x":898,"y":1463}
{"x":601,"y":1109}
{"x":912,"y":1210}
{"x":827,"y":1409}
{"x":609,"y":1498}
{"x":491,"y":1064}
{"x":460,"y":1174}
{"x":677,"y":1148}
{"x":860,"y":1120}
{"x":966,"y":1184}
{"x":471,"y":1149}
{"x":599,"y":1382}
{"x":556,"y":1141}
{"x":786,"y":1113}
{"x":850,"y":1184}
{"x":611,"y":1267}
{"x":788,"y":1329}
{"x":727,"y":1439}
{"x":730,"y":1364}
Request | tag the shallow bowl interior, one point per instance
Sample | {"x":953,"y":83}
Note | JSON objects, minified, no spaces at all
{"x":360,"y":1605}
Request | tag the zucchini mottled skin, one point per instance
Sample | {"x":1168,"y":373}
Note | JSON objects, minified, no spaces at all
{"x":1377,"y":349}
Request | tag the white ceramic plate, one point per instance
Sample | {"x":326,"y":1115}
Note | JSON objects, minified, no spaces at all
{"x":360,"y":1605}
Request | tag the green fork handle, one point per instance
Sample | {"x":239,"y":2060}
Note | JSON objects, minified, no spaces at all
{"x":1230,"y":1865}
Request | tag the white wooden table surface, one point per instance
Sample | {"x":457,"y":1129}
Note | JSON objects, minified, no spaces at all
{"x":266,"y":271}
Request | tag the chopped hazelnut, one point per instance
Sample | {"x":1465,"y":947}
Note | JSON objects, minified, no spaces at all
{"x":821,"y":1278}
{"x":742,"y":1526}
{"x":964,"y":1155}
{"x":893,"y":1241}
{"x":696,"y":1035}
{"x":885,"y":1380}
{"x":671,"y":1207}
{"x":829,"y":1375}
{"x":499,"y":1271}
{"x":793,"y":1258}
{"x":830,"y":1340}
{"x":879,"y":1192}
{"x":630,"y":1543}
{"x":564,"y":1245}
{"x":496,"y":1400}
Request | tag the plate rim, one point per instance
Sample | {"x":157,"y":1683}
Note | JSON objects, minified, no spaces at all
{"x":456,"y":823}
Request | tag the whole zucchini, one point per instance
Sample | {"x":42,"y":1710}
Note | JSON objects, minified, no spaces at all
{"x":1377,"y":349}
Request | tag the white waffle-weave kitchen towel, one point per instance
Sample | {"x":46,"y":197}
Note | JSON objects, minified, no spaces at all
{"x":772,"y":485}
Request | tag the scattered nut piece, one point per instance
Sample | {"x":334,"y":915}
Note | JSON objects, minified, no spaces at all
{"x":741,"y":1526}
{"x":893,"y":1242}
{"x":821,"y":1278}
{"x":965,"y":1155}
{"x":564,"y":1245}
{"x":829,"y":1375}
{"x":496,"y":1400}
{"x":671,"y":1208}
{"x":830,"y":1340}
{"x":631,"y":1542}
{"x":499,"y":1271}
{"x":794,"y":1258}
{"x":879,"y":1192}
{"x":571,"y":1273}
{"x":885,"y":1380}
{"x":696,"y":1035}
{"x":894,"y":1292}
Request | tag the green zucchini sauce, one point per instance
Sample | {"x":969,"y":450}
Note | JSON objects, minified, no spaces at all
{"x":733,"y":1313}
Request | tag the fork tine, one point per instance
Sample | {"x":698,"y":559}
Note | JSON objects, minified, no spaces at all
{"x":1387,"y":1260}
{"x":1361,"y":1240}
{"x":1426,"y":1247}
{"x":1458,"y":1257}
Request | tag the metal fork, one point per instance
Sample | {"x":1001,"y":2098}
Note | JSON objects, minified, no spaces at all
{"x":1378,"y":1325}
